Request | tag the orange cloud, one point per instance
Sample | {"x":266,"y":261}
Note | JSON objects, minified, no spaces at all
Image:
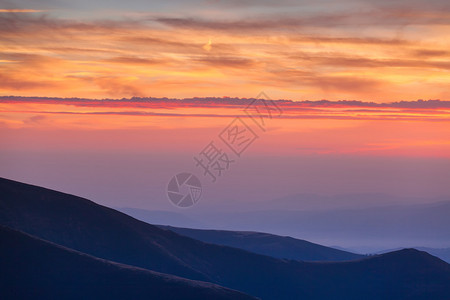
{"x":160,"y":56}
{"x":20,"y":10}
{"x":406,"y":128}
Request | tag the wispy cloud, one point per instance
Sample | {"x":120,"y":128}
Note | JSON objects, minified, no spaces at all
{"x":432,"y":110}
{"x":16,"y":10}
{"x":316,"y":56}
{"x":418,"y":128}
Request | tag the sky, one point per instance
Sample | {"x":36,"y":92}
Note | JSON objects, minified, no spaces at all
{"x":124,"y":152}
{"x":300,"y":50}
{"x":110,"y":99}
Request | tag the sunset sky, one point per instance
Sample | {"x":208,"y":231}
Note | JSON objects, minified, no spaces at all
{"x":384,"y":55}
{"x":365,"y":50}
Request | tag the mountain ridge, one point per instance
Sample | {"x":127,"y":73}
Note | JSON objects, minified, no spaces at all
{"x":76,"y":275}
{"x":283,"y":247}
{"x":82,"y":225}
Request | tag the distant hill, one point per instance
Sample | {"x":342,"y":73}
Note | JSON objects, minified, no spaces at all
{"x":82,"y":225}
{"x":415,"y":224}
{"x":31,"y":268}
{"x":314,"y":202}
{"x":375,"y":228}
{"x":442,"y":253}
{"x":268,"y":244}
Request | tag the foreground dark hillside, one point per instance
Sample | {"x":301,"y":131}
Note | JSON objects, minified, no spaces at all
{"x":31,"y":268}
{"x":102,"y":232}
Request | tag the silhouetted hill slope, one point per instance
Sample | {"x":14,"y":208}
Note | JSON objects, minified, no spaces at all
{"x":31,"y":268}
{"x":403,"y":274}
{"x":268,"y":244}
{"x":85,"y":226}
{"x":397,"y":224}
{"x":442,"y":253}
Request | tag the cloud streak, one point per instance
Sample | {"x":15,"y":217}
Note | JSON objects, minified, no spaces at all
{"x":15,"y":10}
{"x":431,"y":110}
{"x":294,"y":56}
